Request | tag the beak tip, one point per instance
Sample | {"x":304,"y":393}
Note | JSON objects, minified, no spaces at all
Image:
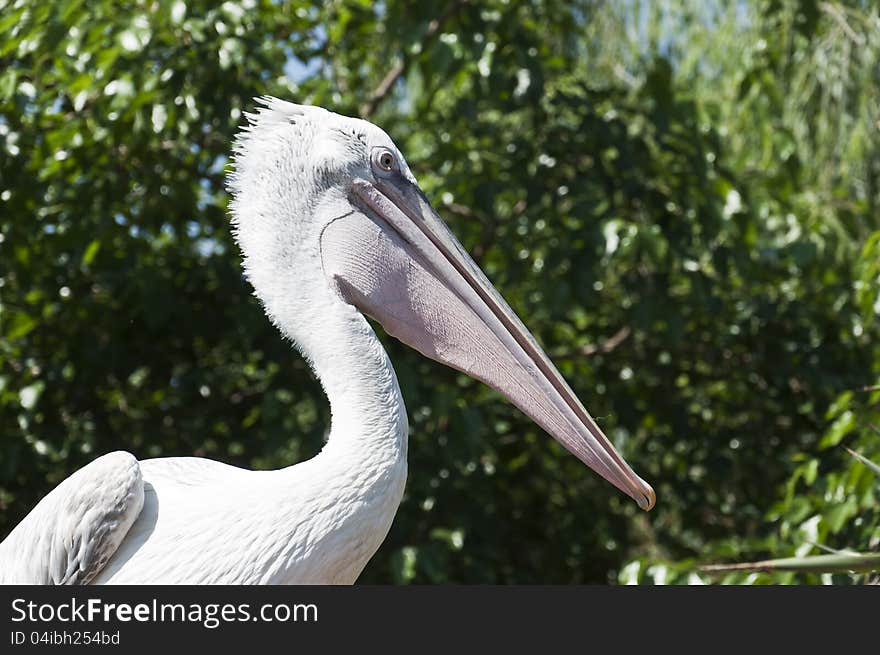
{"x":647,"y":498}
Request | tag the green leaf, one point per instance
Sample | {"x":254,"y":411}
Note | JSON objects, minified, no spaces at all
{"x":20,"y":325}
{"x":90,"y":252}
{"x":842,"y":426}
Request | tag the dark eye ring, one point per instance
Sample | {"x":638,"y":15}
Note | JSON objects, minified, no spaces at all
{"x":385,"y":160}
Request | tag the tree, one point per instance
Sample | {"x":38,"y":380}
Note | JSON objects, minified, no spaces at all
{"x":658,"y":223}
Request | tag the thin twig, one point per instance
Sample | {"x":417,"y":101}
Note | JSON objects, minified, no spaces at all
{"x":609,"y":344}
{"x":605,"y":346}
{"x":464,"y":211}
{"x":864,"y":460}
{"x":384,"y":87}
{"x":830,"y":550}
{"x":488,"y":221}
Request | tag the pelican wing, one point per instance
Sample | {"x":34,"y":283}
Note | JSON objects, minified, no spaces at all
{"x":188,"y":471}
{"x":72,"y":532}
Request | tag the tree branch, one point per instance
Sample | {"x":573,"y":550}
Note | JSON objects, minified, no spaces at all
{"x":605,"y":346}
{"x":402,"y":63}
{"x":843,"y":562}
{"x":608,"y":345}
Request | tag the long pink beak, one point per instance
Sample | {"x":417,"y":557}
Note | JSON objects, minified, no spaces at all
{"x":394,"y":259}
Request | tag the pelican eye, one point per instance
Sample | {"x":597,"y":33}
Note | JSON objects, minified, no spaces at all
{"x":384,"y":160}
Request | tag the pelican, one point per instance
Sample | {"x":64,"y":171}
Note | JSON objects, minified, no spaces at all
{"x":332,"y":225}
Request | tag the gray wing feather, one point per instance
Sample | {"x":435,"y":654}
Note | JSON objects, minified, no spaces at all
{"x":72,"y":532}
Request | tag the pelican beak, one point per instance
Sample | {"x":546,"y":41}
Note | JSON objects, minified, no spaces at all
{"x":394,"y":259}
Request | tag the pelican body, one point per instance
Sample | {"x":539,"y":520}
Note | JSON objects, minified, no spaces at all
{"x":332,"y":226}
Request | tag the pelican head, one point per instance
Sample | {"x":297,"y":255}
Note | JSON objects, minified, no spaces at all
{"x":330,"y":201}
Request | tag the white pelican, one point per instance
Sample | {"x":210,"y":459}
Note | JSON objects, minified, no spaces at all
{"x":331,"y":223}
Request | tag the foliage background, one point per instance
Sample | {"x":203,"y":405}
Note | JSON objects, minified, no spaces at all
{"x":680,"y":197}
